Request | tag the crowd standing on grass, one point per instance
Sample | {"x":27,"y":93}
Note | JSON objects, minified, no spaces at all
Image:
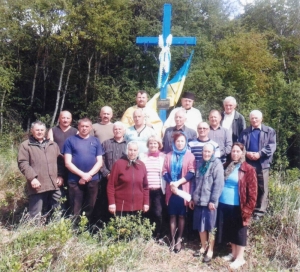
{"x":140,"y":164}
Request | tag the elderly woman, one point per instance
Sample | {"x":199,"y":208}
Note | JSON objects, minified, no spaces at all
{"x":237,"y":203}
{"x":178,"y":170}
{"x":206,"y":191}
{"x":154,"y":161}
{"x":127,"y":188}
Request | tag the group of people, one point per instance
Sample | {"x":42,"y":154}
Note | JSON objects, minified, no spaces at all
{"x":218,"y":169}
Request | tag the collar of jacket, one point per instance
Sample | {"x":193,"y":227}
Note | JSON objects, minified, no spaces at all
{"x":33,"y":141}
{"x":135,"y":162}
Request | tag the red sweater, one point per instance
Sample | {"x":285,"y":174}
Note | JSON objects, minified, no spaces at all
{"x":128,"y":186}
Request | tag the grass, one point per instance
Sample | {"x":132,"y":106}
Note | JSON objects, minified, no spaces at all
{"x":125,"y":244}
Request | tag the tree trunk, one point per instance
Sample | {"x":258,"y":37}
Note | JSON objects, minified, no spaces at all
{"x":1,"y":112}
{"x":45,"y":75}
{"x":58,"y":91}
{"x":87,"y":80}
{"x":65,"y":90}
{"x":32,"y":93}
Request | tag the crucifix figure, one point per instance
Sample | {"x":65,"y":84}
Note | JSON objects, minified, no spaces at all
{"x":164,"y":41}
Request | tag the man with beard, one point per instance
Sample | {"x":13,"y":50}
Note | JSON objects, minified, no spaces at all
{"x":151,"y":118}
{"x":104,"y":129}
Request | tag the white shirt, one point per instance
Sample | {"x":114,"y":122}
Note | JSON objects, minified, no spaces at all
{"x":193,"y":118}
{"x":228,"y":120}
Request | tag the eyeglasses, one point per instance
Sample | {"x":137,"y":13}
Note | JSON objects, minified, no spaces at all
{"x":202,"y":128}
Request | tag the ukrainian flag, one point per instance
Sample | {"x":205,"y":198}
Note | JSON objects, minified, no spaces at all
{"x":175,"y":85}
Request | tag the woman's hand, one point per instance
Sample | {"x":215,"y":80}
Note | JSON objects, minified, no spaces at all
{"x":145,"y":208}
{"x":191,"y":205}
{"x":112,"y":209}
{"x":211,"y":206}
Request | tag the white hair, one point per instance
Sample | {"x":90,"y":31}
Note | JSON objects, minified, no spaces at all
{"x":229,"y":98}
{"x":182,"y":111}
{"x":118,"y":123}
{"x":256,"y":112}
{"x":138,"y":111}
{"x":131,"y":143}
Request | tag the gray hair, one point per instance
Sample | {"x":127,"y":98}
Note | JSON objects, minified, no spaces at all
{"x":37,"y":122}
{"x":138,"y":110}
{"x":182,"y":111}
{"x":203,"y":123}
{"x":131,"y":143}
{"x":118,"y":123}
{"x":229,"y":98}
{"x":257,"y":112}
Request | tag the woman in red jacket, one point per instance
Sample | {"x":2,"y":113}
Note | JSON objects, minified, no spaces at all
{"x":236,"y":205}
{"x":127,"y":188}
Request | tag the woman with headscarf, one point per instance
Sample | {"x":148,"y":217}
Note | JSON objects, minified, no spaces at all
{"x":178,"y":170}
{"x":127,"y":188}
{"x":237,"y":202}
{"x":206,"y":191}
{"x":154,"y":161}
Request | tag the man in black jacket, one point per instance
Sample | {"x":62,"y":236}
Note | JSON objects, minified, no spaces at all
{"x":231,"y":119}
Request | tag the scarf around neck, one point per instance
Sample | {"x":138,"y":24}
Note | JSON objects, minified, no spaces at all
{"x":233,"y":164}
{"x":177,"y":161}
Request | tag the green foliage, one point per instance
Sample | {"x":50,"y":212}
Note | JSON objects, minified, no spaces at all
{"x":127,"y":228}
{"x":276,"y":236}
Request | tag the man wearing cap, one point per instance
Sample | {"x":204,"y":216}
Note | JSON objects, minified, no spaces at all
{"x":151,"y":118}
{"x":192,"y":114}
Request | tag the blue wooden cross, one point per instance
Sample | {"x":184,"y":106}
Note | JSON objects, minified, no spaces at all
{"x":176,"y":41}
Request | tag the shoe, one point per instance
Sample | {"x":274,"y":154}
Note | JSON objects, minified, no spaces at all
{"x":207,"y":259}
{"x":197,"y":253}
{"x":176,"y":249}
{"x":228,"y":258}
{"x":237,"y":264}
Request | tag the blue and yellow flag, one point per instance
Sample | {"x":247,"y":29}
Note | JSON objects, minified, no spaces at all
{"x":175,"y":85}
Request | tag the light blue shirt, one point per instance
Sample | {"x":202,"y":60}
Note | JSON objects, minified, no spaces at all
{"x":230,"y":193}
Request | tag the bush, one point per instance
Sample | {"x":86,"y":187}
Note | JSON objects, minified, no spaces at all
{"x":127,"y":228}
{"x":276,"y":238}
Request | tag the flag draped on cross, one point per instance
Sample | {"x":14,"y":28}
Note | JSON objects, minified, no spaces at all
{"x":165,"y":41}
{"x":175,"y":85}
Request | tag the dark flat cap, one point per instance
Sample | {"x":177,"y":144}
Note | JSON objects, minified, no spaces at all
{"x":188,"y":95}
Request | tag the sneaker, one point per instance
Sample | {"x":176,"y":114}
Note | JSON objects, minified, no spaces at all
{"x":228,"y":258}
{"x":237,"y":264}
